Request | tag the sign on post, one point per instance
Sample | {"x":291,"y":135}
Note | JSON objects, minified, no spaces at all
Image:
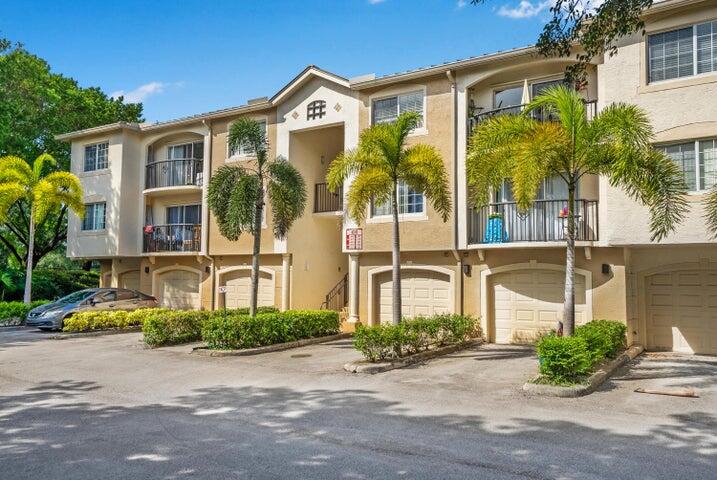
{"x":354,"y":239}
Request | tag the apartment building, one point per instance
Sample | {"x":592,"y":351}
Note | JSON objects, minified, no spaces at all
{"x":149,"y":225}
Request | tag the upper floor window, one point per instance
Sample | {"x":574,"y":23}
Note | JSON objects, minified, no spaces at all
{"x":551,"y":188}
{"x":508,"y":97}
{"x":244,"y":150}
{"x":94,"y":216}
{"x":316,"y":109}
{"x":96,"y":156}
{"x":388,"y":109}
{"x":184,"y":214}
{"x":683,"y":53}
{"x":409,"y":201}
{"x":186,"y":151}
{"x":698,"y":162}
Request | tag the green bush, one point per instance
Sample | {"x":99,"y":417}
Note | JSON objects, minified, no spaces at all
{"x":169,"y":327}
{"x":564,"y":359}
{"x":605,"y":338}
{"x":10,"y":311}
{"x":245,"y":310}
{"x":382,"y":342}
{"x":237,"y":331}
{"x":107,"y":319}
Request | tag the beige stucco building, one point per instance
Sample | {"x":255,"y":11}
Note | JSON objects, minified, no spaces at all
{"x":149,"y":225}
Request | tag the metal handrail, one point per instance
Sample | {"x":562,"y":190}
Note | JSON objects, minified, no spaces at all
{"x":327,"y":201}
{"x":179,"y":237}
{"x":590,"y":113}
{"x":338,"y":296}
{"x":174,"y":173}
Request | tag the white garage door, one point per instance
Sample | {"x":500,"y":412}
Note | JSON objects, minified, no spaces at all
{"x":681,"y":309}
{"x":179,"y":289}
{"x":527,"y":303}
{"x":422,"y":293}
{"x":129,"y":280}
{"x":238,"y":285}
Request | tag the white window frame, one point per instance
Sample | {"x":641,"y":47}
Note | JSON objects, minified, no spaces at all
{"x":698,"y":169}
{"x":167,"y":207}
{"x":181,"y":144}
{"x":84,"y":157}
{"x":396,"y":92}
{"x":242,"y":155}
{"x":385,"y":218}
{"x":104,"y":219}
{"x":694,"y":54}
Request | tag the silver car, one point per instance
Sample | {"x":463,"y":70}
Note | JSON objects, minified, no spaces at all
{"x":52,"y":315}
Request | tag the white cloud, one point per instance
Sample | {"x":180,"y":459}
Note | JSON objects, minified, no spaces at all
{"x":461,"y":3}
{"x":525,"y":9}
{"x":374,"y":2}
{"x":141,"y":93}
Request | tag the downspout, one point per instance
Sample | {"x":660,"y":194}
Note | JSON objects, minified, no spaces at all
{"x":456,"y":252}
{"x":205,"y":212}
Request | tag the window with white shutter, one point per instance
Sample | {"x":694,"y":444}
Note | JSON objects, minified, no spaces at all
{"x":698,"y":162}
{"x":683,"y":53}
{"x":409,"y":201}
{"x":706,"y":47}
{"x":388,"y":109}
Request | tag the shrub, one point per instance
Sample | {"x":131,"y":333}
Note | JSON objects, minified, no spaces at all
{"x":10,"y":311}
{"x":564,"y":359}
{"x":382,"y":342}
{"x":169,"y":327}
{"x":605,"y":338}
{"x":107,"y":319}
{"x":237,"y":331}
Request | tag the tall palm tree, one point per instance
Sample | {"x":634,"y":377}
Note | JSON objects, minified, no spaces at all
{"x":236,"y":194}
{"x":616,"y":144}
{"x":382,"y":160}
{"x":44,"y":192}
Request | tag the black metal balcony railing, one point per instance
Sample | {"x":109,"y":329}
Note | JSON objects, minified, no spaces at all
{"x":544,"y":221}
{"x":327,"y":201}
{"x":338,"y":296}
{"x":183,"y":237}
{"x":539,"y":114}
{"x":174,"y":173}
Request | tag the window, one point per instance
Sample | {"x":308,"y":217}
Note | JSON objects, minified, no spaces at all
{"x":698,"y":161}
{"x":387,"y":110}
{"x":94,"y":216}
{"x":104,"y":297}
{"x":244,"y":150}
{"x":683,"y":53}
{"x":409,"y":201}
{"x":509,"y":97}
{"x":186,"y":151}
{"x":184,"y":214}
{"x":316,"y":109}
{"x":123,"y":294}
{"x":553,"y":188}
{"x":96,"y":156}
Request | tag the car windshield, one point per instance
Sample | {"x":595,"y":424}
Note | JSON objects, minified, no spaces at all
{"x":75,"y":297}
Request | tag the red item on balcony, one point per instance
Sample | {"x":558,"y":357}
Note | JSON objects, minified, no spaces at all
{"x":148,"y":228}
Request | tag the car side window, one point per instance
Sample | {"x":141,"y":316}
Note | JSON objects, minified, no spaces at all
{"x":127,"y":295}
{"x":106,"y":297}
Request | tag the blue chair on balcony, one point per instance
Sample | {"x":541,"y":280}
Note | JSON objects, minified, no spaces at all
{"x":495,"y":231}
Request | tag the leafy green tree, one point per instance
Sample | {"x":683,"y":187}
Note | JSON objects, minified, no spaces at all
{"x":382,"y":160}
{"x":237,"y":194}
{"x":615,"y":144}
{"x":35,"y":105}
{"x":45,"y":192}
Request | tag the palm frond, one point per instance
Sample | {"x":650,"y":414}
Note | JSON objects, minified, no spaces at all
{"x":370,"y":184}
{"x":566,"y":104}
{"x":228,"y":187}
{"x":15,"y":169}
{"x":249,"y":133}
{"x":287,"y":195}
{"x":422,"y":169}
{"x":710,"y":203}
{"x":42,"y":161}
{"x":10,"y":192}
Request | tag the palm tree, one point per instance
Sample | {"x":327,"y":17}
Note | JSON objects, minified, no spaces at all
{"x":236,"y":194}
{"x":616,"y":144}
{"x":711,"y":210}
{"x":377,"y":165}
{"x":44,"y":192}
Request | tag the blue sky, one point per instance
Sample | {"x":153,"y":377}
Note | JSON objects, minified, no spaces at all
{"x":191,"y":56}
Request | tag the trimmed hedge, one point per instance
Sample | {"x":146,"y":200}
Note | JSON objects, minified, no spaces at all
{"x":235,"y":332}
{"x":170,"y":327}
{"x":107,"y":319}
{"x":569,"y":359}
{"x":383,"y":342}
{"x":11,"y":312}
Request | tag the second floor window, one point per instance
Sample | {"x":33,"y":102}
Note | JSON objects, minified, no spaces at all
{"x":186,"y":151}
{"x":409,"y":201}
{"x":387,"y":110}
{"x":94,"y":216}
{"x":698,"y":162}
{"x":184,"y":214}
{"x":683,"y":53}
{"x":244,"y":150}
{"x":96,"y":156}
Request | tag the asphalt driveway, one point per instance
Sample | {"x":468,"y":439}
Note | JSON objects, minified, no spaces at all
{"x":105,"y":407}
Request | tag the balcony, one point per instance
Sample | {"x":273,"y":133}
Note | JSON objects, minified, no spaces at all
{"x":183,"y":237}
{"x":544,"y":221}
{"x":174,"y":173}
{"x":539,"y":114}
{"x":326,"y":201}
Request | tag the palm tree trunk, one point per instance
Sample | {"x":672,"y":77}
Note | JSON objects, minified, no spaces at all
{"x":255,"y":253}
{"x":569,"y":305}
{"x":28,"y":263}
{"x":396,"y":259}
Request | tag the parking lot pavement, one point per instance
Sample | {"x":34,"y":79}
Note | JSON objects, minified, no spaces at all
{"x":105,"y":407}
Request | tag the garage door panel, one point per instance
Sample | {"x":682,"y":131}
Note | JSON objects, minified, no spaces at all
{"x":129,"y":280}
{"x":179,"y":289}
{"x":423,"y":293}
{"x":238,"y":285}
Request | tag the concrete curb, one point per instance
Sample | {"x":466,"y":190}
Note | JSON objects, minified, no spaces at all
{"x":593,"y":382}
{"x":365,"y":366}
{"x":206,"y":352}
{"x":94,"y":333}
